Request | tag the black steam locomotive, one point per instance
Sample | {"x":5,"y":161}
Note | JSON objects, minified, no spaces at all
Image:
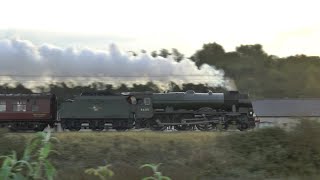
{"x":158,"y":111}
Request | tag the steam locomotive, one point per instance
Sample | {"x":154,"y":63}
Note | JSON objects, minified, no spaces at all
{"x":158,"y":111}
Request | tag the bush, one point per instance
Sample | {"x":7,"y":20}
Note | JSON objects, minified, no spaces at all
{"x":272,"y":152}
{"x":304,"y":148}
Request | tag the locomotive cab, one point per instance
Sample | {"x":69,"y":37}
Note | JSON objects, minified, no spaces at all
{"x":143,"y":107}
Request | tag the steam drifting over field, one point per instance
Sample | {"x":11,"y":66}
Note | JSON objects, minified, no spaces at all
{"x":32,"y":65}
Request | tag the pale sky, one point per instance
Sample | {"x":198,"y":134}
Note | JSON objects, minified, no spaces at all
{"x":283,"y":27}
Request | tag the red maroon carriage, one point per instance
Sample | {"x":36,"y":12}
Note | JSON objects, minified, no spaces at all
{"x":27,"y":111}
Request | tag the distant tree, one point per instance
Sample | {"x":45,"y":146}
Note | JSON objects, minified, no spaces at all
{"x":20,"y":89}
{"x":150,"y":86}
{"x":164,"y":53}
{"x":108,"y":87}
{"x":4,"y":88}
{"x":209,"y":54}
{"x":154,"y":54}
{"x":177,"y":55}
{"x":133,"y":53}
{"x":122,"y":88}
{"x":255,"y":50}
{"x":173,"y":87}
{"x":200,"y":88}
{"x":137,"y":88}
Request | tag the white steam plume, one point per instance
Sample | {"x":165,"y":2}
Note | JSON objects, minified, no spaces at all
{"x":22,"y":61}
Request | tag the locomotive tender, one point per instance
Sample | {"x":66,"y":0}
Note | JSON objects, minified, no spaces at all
{"x":157,"y":111}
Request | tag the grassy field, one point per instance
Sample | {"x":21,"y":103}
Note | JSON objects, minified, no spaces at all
{"x":127,"y":151}
{"x":266,"y":153}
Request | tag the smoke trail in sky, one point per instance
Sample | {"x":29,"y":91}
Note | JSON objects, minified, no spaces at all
{"x":24,"y":62}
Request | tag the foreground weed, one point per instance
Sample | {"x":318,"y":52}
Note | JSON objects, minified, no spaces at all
{"x":157,"y":175}
{"x":103,"y":172}
{"x":34,"y":163}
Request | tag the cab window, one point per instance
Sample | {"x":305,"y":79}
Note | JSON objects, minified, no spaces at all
{"x":140,"y":101}
{"x":147,"y":101}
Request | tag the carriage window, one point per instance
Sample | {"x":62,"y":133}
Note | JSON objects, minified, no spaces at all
{"x":34,"y":106}
{"x":19,"y":106}
{"x":146,"y":101}
{"x":3,"y":106}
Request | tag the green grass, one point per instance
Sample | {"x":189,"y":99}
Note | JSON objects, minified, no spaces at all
{"x":126,"y":151}
{"x":270,"y":153}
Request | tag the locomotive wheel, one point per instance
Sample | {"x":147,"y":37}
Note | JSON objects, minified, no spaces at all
{"x":178,"y":119}
{"x":183,"y":127}
{"x":98,"y":129}
{"x":68,"y":125}
{"x":100,"y":126}
{"x":95,"y":126}
{"x":76,"y":126}
{"x":92,"y":125}
{"x":155,"y":126}
{"x":121,"y":129}
{"x":243,"y":126}
{"x":205,"y":109}
{"x":13,"y":128}
{"x":243,"y":123}
{"x":40,"y":127}
{"x":206,"y":127}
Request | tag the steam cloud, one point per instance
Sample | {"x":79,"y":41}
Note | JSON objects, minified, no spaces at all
{"x":23,"y":62}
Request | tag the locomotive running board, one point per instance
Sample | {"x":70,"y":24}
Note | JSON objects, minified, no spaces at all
{"x":198,"y":113}
{"x":185,"y":123}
